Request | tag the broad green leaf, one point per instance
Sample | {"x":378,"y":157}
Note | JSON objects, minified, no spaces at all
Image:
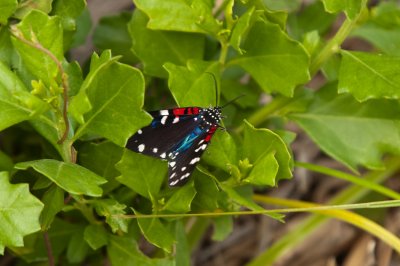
{"x":241,"y":28}
{"x":277,"y":63}
{"x":273,"y":11}
{"x":157,"y":233}
{"x":101,"y":158}
{"x":194,"y":84}
{"x":19,"y":212}
{"x":350,"y":7}
{"x":180,"y":15}
{"x":116,"y":95}
{"x":352,"y":133}
{"x":221,"y":152}
{"x":110,"y":209}
{"x":124,"y":251}
{"x":27,"y":6}
{"x":16,"y":103}
{"x":154,"y":48}
{"x":71,"y":177}
{"x":206,"y":198}
{"x":80,"y":104}
{"x":7,"y":8}
{"x":112,"y":33}
{"x":96,"y":236}
{"x":257,"y":144}
{"x":286,"y":5}
{"x":181,"y":200}
{"x":369,"y":76}
{"x":40,"y":29}
{"x":53,"y":200}
{"x":142,"y":174}
{"x":264,"y":171}
{"x":7,"y":51}
{"x":223,"y":226}
{"x":77,"y":248}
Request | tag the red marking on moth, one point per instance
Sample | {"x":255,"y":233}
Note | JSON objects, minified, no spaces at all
{"x":210,"y":133}
{"x":189,"y":111}
{"x":179,"y":111}
{"x":195,"y":110}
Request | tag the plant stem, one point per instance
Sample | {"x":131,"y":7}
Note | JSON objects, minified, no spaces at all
{"x":48,"y":248}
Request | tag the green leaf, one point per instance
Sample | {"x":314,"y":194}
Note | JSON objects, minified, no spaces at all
{"x":28,"y":6}
{"x":124,"y":251}
{"x":221,"y":153}
{"x":264,"y":171}
{"x":115,"y":93}
{"x":45,"y":31}
{"x":241,"y":28}
{"x":7,"y":8}
{"x":112,"y":33}
{"x":16,"y":103}
{"x":6,"y":163}
{"x":77,"y":248}
{"x":71,"y":177}
{"x":350,"y":7}
{"x":156,"y":233}
{"x":206,"y":198}
{"x":223,"y":226}
{"x":277,"y":63}
{"x":193,"y":85}
{"x":110,"y":208}
{"x":19,"y":212}
{"x":7,"y":50}
{"x":182,"y":252}
{"x":53,"y":200}
{"x":155,"y":48}
{"x":257,"y":144}
{"x":181,"y":200}
{"x":142,"y":174}
{"x":180,"y":15}
{"x":352,"y":133}
{"x":96,"y":236}
{"x":369,"y":76}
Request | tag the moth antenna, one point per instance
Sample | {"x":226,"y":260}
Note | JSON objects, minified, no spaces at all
{"x":216,"y":87}
{"x":233,"y":100}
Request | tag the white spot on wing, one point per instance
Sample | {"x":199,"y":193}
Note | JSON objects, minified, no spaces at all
{"x":184,"y":176}
{"x":176,"y":120}
{"x":155,"y":150}
{"x":194,"y":160}
{"x":140,"y":131}
{"x":164,"y":112}
{"x":173,"y":182}
{"x":141,"y":147}
{"x":172,"y":164}
{"x":183,"y":169}
{"x":164,"y":119}
{"x":163,"y":155}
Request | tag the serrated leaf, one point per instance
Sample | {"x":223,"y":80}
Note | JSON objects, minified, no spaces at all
{"x":37,"y":27}
{"x":19,"y":212}
{"x":222,"y":151}
{"x":110,"y":209}
{"x":142,"y":174}
{"x":193,"y":85}
{"x":180,"y":15}
{"x":156,"y":233}
{"x":352,"y":133}
{"x":124,"y":251}
{"x":96,"y":236}
{"x":264,"y":171}
{"x":277,"y":63}
{"x":369,"y":76}
{"x":350,"y":7}
{"x":16,"y":103}
{"x":116,"y":95}
{"x":7,"y":8}
{"x":71,"y":177}
{"x":154,"y":48}
{"x":261,"y":142}
{"x":53,"y":200}
{"x":181,"y":200}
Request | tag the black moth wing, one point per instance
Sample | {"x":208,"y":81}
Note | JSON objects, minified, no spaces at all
{"x":164,"y":132}
{"x":181,"y":165}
